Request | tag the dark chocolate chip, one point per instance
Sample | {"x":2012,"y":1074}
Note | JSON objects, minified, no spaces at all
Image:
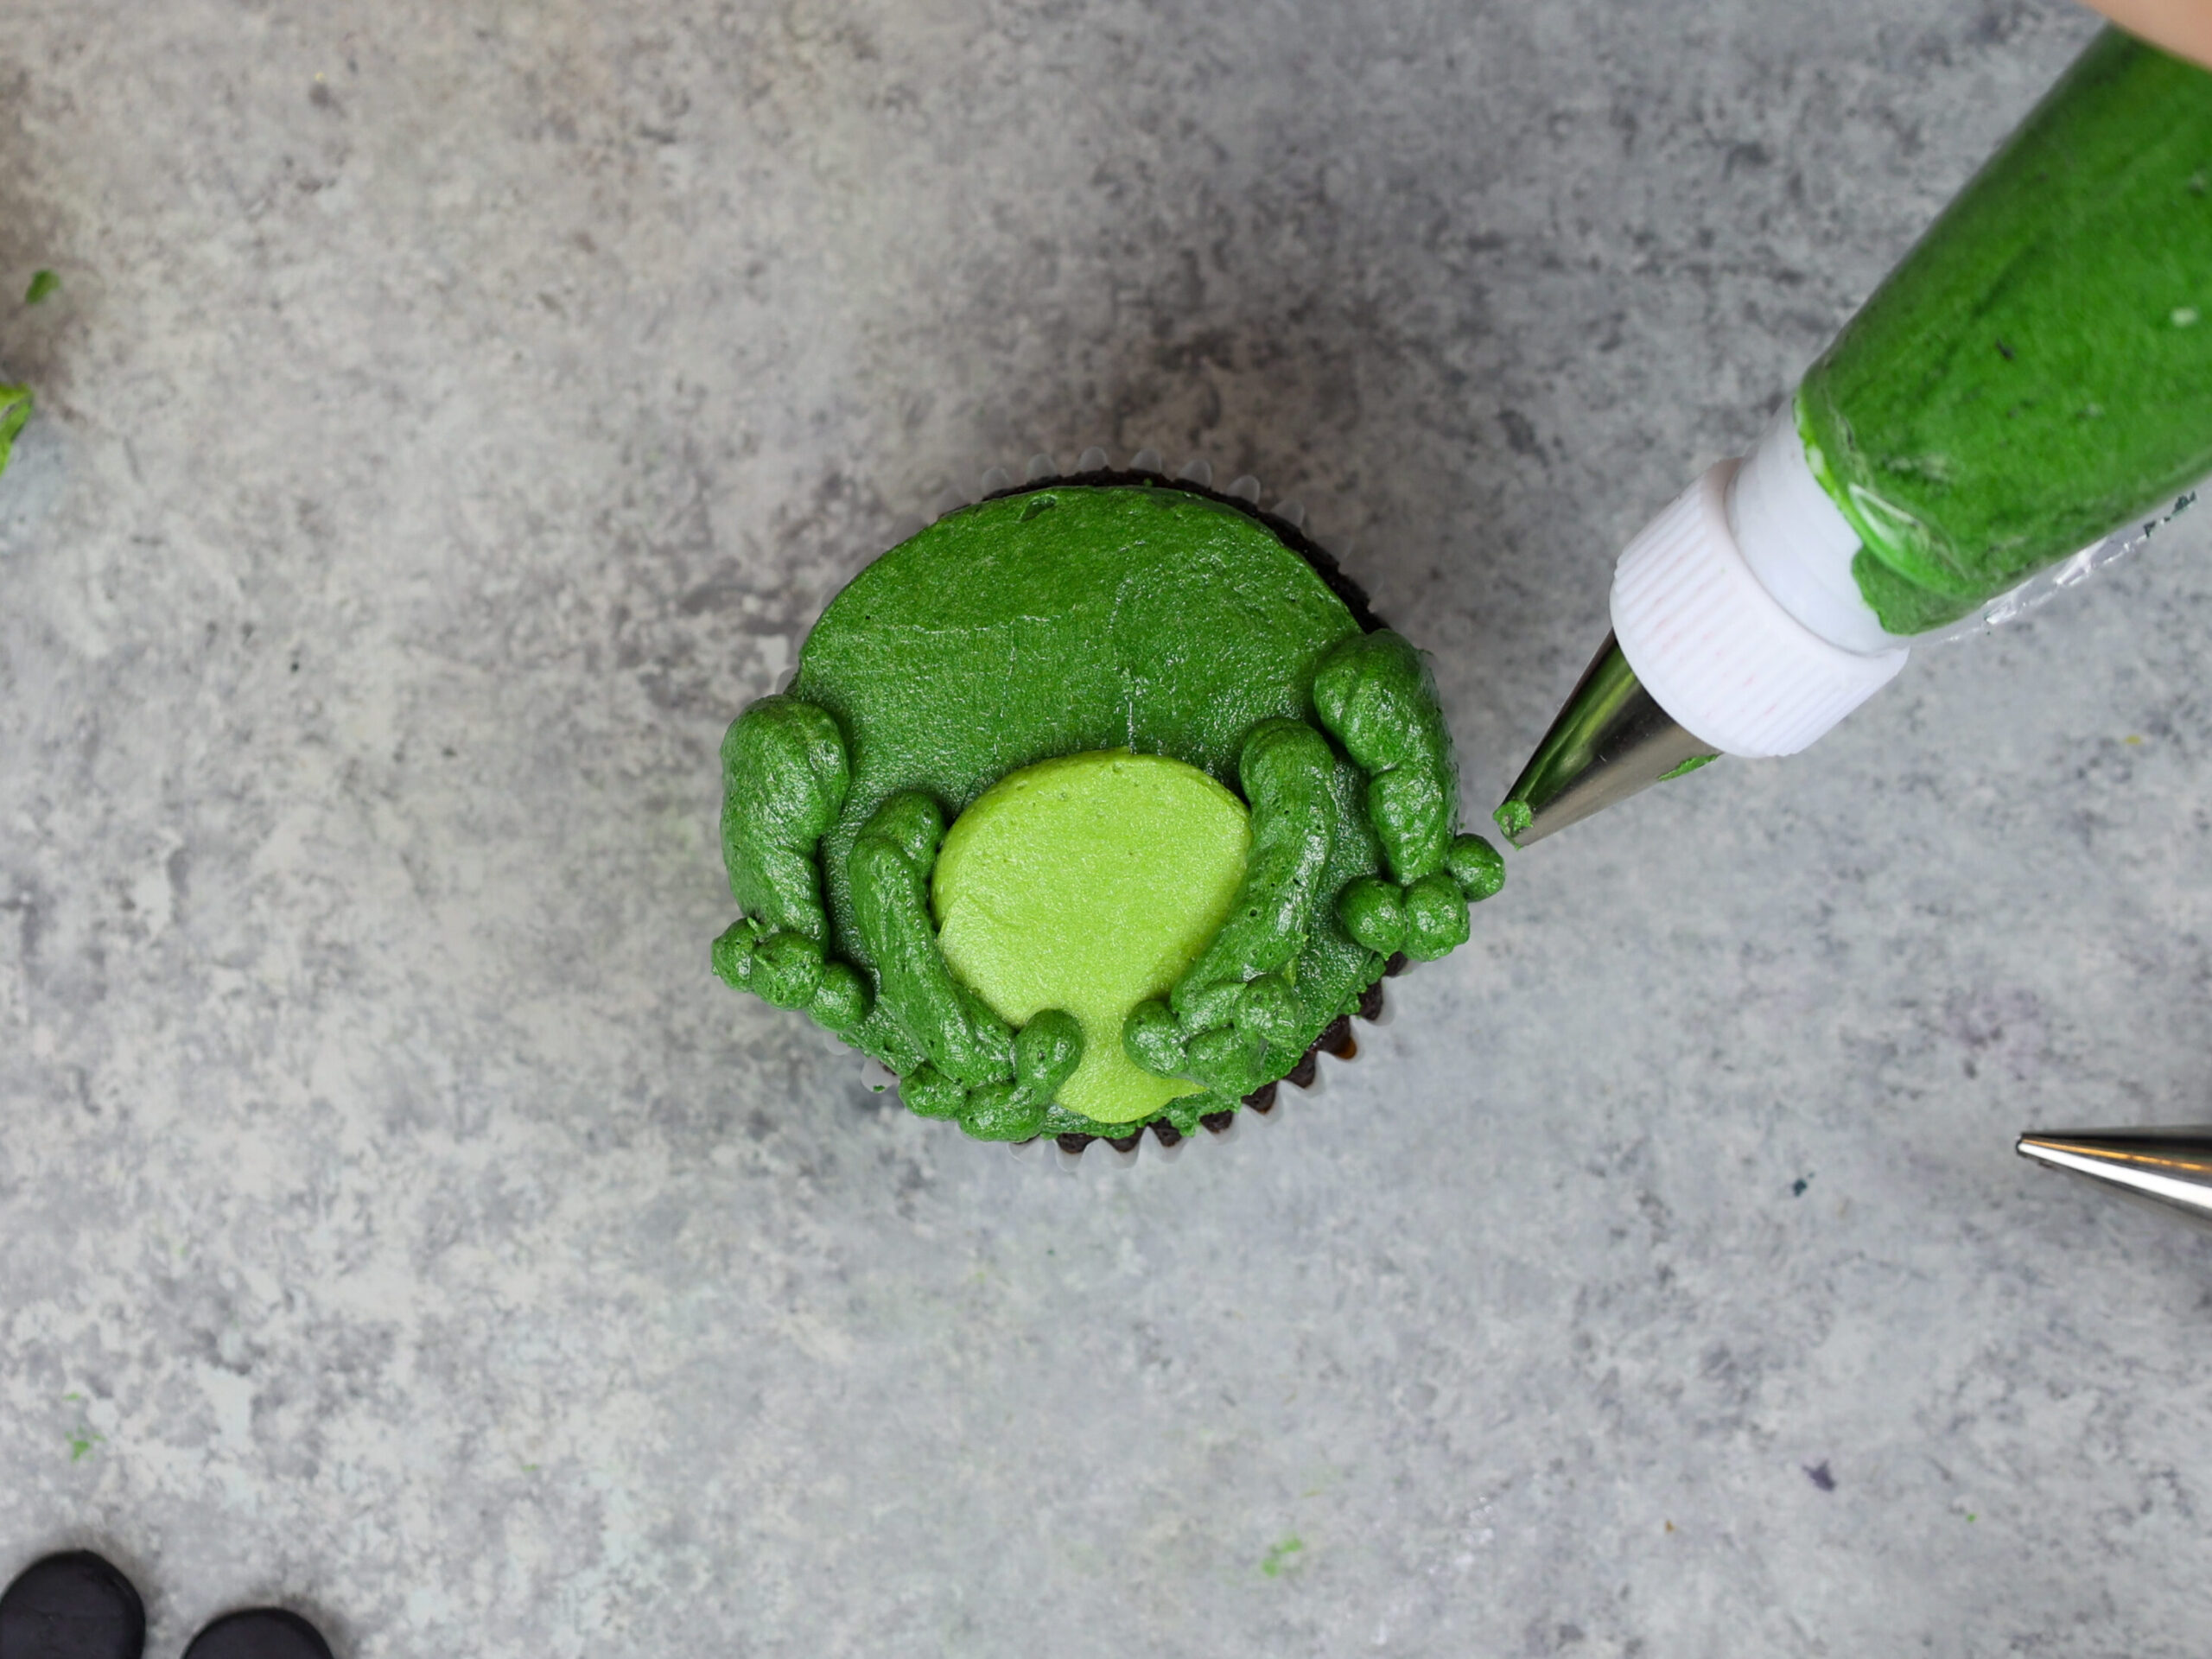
{"x":1262,"y":1099}
{"x":1168,"y":1134}
{"x":1398,"y":963}
{"x":1302,"y":1073}
{"x":1336,"y":1037}
{"x":1074,"y":1143}
{"x":1216,"y":1121}
{"x":1370,"y":1003}
{"x":1124,"y":1143}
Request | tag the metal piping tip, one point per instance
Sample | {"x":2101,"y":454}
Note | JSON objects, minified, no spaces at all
{"x":2171,"y":1167}
{"x":1610,"y":740}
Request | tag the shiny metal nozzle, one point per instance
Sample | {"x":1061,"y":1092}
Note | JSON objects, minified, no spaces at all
{"x":2172,"y":1166}
{"x":1610,"y":740}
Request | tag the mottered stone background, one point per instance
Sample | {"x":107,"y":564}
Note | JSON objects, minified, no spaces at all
{"x":452,"y":413}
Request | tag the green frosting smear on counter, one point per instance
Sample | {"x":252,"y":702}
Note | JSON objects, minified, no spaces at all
{"x":2038,"y":370}
{"x":15,"y":412}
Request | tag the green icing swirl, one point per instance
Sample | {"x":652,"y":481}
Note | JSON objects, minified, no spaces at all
{"x":888,"y":875}
{"x":792,"y":757}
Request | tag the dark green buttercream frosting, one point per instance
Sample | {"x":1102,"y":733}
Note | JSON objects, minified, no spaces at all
{"x":1112,"y":614}
{"x":2038,"y":370}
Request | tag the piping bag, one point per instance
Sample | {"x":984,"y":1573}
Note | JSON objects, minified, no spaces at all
{"x":2035,"y":377}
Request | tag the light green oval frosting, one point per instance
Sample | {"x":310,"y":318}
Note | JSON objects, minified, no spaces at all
{"x":1089,"y":883}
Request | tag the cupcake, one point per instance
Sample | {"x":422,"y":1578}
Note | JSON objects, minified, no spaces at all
{"x":1101,"y":804}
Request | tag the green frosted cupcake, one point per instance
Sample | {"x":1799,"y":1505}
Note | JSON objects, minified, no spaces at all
{"x":1100,"y":803}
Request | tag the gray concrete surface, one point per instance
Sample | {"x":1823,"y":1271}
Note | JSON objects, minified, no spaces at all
{"x":452,"y":413}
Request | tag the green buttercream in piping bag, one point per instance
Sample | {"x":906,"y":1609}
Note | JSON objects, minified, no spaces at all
{"x":2034,"y":378}
{"x":2039,"y":369}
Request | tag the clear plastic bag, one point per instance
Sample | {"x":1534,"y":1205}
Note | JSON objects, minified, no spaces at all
{"x":2047,"y":584}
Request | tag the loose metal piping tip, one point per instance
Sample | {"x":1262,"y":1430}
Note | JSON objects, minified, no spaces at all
{"x":2169,"y":1167}
{"x":1610,"y":740}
